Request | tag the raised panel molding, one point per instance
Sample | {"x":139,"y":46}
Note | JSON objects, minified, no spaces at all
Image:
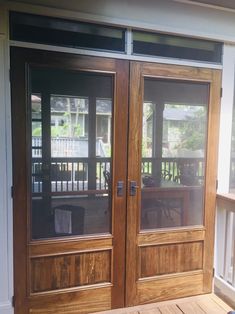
{"x":170,"y":258}
{"x":70,"y":270}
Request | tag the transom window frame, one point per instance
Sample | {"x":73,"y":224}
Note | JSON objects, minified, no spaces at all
{"x":128,"y":44}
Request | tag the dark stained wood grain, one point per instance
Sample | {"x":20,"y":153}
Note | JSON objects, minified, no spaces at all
{"x":59,"y":272}
{"x":120,"y":127}
{"x":172,"y":258}
{"x":79,"y":302}
{"x":175,"y":236}
{"x":156,"y":290}
{"x":211,"y":177}
{"x":62,"y":246}
{"x":134,"y":162}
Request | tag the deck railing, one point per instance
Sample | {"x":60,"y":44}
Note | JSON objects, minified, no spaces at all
{"x":71,"y":174}
{"x":225,"y":245}
{"x":195,"y":166}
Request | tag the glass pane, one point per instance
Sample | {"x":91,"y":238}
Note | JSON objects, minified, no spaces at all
{"x":68,"y":136}
{"x":36,"y":106}
{"x":173,"y":153}
{"x":61,"y":32}
{"x":36,"y":143}
{"x":71,"y":178}
{"x":176,"y":47}
{"x":103,"y":127}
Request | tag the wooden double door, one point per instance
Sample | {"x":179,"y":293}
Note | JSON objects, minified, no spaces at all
{"x":114,"y":181}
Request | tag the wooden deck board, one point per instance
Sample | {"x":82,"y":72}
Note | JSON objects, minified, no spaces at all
{"x":202,"y":304}
{"x":169,"y":309}
{"x":191,"y":307}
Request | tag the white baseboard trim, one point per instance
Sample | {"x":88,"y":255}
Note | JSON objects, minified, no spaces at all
{"x":6,"y":308}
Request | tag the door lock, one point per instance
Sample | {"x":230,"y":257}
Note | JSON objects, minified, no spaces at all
{"x":120,"y":185}
{"x":133,"y":188}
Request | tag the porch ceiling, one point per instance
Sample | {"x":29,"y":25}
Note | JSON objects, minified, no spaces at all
{"x":228,"y":4}
{"x":73,"y":4}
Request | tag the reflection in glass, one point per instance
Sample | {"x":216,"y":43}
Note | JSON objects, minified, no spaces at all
{"x":156,"y":44}
{"x":174,"y":131}
{"x":71,"y":153}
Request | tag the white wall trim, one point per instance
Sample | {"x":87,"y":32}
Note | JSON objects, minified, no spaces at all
{"x":226,"y":113}
{"x":115,"y":55}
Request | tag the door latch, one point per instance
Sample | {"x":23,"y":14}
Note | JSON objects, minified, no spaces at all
{"x":133,"y":188}
{"x":120,"y":185}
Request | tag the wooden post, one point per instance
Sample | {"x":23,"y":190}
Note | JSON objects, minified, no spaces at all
{"x":157,"y":140}
{"x":92,"y":144}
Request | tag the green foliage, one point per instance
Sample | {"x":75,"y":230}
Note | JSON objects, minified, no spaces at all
{"x":64,"y":131}
{"x":193,"y":131}
{"x":37,"y":132}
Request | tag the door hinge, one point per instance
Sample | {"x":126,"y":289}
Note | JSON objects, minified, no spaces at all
{"x":216,"y":184}
{"x":213,"y":272}
{"x":13,"y":301}
{"x":12,"y":191}
{"x":221,"y":92}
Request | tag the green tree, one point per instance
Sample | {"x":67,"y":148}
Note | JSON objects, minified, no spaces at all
{"x":193,"y":131}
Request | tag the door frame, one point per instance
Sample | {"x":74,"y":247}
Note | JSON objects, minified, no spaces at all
{"x":137,"y":287}
{"x":110,"y":294}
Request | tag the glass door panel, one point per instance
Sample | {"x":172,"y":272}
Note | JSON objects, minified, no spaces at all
{"x":71,"y":153}
{"x":174,"y":128}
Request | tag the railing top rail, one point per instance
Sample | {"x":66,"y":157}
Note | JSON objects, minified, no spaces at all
{"x":173,"y":158}
{"x":226,"y":201}
{"x":73,"y":159}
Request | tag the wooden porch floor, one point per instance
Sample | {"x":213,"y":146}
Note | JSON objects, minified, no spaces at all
{"x":202,"y":304}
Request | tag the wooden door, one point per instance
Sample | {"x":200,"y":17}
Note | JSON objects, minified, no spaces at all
{"x":173,"y":136}
{"x":69,"y":172}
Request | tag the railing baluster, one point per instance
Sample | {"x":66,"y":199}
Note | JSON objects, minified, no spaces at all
{"x":66,"y":173}
{"x":83,"y":176}
{"x":72,"y":175}
{"x":233,"y":251}
{"x":228,"y":246}
{"x":100,"y":175}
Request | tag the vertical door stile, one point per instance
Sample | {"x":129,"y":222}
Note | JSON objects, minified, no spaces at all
{"x":133,"y":202}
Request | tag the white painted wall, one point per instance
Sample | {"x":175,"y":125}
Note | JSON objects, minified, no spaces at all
{"x":6,"y":242}
{"x":227,"y":104}
{"x":226,"y":113}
